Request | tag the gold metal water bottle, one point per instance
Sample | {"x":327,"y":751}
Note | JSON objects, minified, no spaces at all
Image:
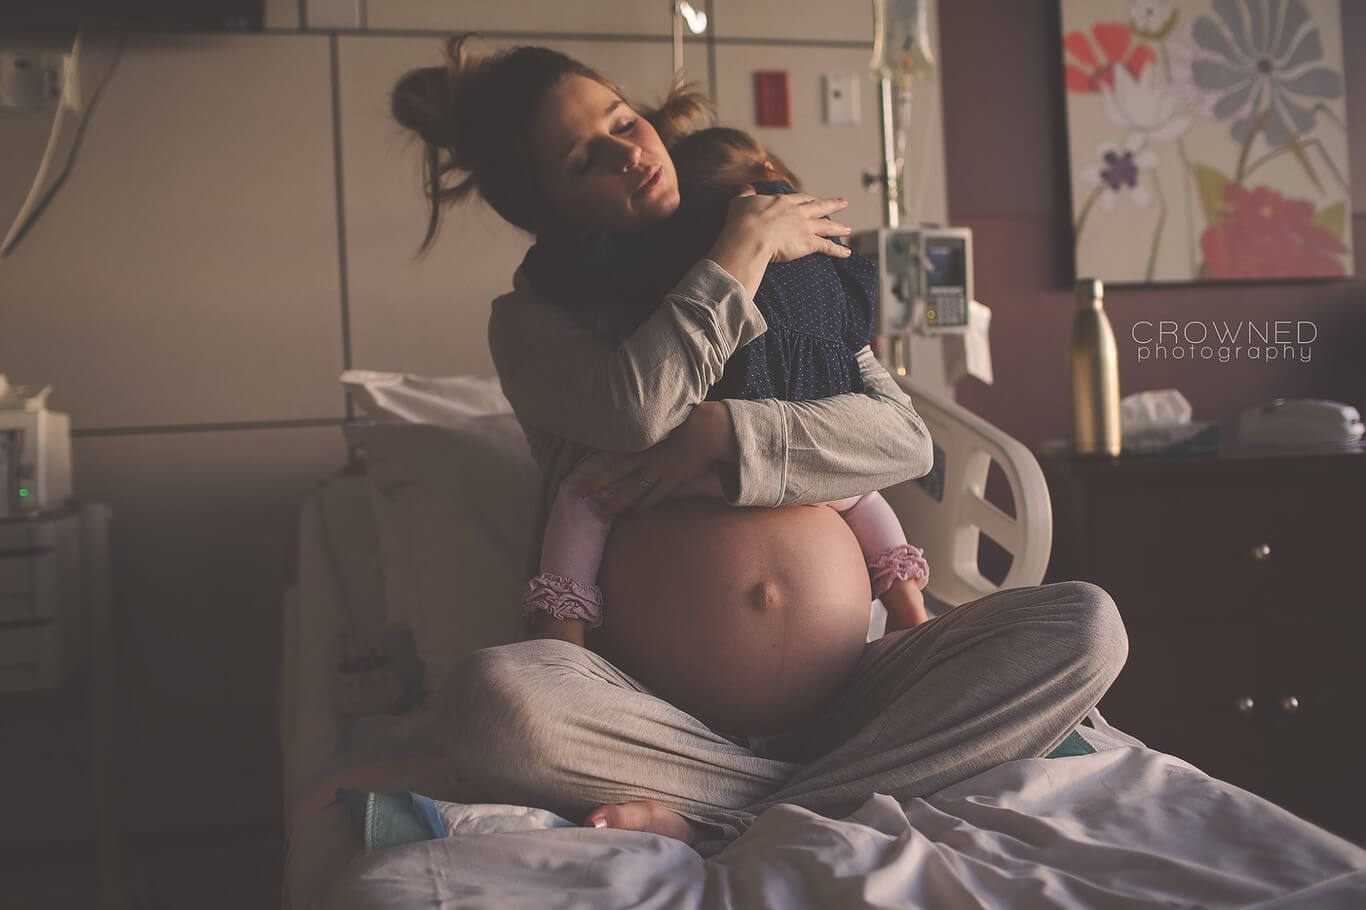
{"x":1094,"y":361}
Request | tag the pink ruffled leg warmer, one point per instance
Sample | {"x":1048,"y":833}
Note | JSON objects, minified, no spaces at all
{"x":883,"y":542}
{"x":571,"y":554}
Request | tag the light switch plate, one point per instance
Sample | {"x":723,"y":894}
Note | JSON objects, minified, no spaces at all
{"x":841,"y":99}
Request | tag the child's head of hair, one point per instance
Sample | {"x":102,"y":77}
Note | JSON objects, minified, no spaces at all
{"x":720,"y":156}
{"x":711,"y":156}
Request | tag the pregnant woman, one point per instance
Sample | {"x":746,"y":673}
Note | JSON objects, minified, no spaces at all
{"x":752,"y":611}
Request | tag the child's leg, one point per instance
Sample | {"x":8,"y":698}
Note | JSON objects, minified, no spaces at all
{"x":575,"y":537}
{"x":571,"y":554}
{"x":883,"y":541}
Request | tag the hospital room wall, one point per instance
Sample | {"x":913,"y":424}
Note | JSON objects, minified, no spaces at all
{"x":1006,"y":146}
{"x":239,"y":225}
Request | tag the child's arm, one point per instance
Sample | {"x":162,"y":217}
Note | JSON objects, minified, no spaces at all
{"x":898,"y":570}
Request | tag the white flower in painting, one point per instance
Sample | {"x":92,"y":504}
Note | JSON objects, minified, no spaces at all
{"x":1182,"y":52}
{"x":1150,"y":17}
{"x":1121,"y":168}
{"x":1151,"y":110}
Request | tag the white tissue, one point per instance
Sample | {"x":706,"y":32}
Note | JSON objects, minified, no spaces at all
{"x":1157,"y":408}
{"x":969,"y":353}
{"x":22,"y":398}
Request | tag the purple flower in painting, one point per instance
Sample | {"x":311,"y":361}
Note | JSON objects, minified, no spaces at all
{"x":1262,"y":57}
{"x":1120,"y":168}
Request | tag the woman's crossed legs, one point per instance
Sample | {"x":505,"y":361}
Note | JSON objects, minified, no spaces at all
{"x":1008,"y":676}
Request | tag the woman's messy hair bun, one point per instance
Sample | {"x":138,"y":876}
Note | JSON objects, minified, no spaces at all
{"x":474,"y":115}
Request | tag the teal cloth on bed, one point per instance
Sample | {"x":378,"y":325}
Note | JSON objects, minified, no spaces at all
{"x":391,"y":819}
{"x":1075,"y":744}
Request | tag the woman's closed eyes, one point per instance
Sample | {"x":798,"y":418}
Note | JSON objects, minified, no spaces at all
{"x":624,"y":129}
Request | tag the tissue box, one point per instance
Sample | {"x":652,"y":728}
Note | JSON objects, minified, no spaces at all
{"x":1199,"y":437}
{"x":1183,"y":440}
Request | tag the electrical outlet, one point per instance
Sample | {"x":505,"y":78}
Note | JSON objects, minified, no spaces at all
{"x":841,"y":99}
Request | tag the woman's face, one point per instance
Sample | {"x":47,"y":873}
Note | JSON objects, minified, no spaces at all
{"x":601,"y":164}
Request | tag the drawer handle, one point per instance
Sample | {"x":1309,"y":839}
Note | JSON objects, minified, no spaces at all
{"x":1261,"y":551}
{"x":1245,"y":705}
{"x":1290,"y":704}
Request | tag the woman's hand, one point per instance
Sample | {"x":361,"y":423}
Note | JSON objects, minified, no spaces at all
{"x":778,"y":228}
{"x":612,"y":480}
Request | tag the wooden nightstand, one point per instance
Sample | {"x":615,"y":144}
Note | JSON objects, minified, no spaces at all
{"x":1240,"y":583}
{"x":57,"y":687}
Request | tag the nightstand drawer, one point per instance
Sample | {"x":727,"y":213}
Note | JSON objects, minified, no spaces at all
{"x":1314,"y":550}
{"x":20,"y":535}
{"x":33,"y":657}
{"x":28,"y":586}
{"x":1178,"y":551}
{"x":1192,"y":689}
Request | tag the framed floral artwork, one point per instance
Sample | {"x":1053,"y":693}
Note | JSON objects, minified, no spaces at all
{"x":1207,"y":139}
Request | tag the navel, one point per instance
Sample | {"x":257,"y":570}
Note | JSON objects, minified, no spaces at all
{"x":765,"y":596}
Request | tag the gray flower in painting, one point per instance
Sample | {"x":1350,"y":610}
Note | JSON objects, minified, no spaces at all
{"x":1261,"y":60}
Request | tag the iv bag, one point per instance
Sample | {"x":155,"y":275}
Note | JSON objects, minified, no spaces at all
{"x":901,"y":40}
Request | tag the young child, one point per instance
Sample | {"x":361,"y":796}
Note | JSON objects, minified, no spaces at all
{"x":819,"y":315}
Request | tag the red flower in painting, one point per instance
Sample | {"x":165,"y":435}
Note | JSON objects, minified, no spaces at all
{"x":1262,"y":235}
{"x":1118,"y":47}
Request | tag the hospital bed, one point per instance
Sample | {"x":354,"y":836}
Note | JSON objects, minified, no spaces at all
{"x":1118,"y":826}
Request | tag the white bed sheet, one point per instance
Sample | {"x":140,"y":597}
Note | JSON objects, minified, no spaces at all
{"x":1125,"y":827}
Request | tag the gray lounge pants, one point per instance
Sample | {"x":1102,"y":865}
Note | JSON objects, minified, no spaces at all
{"x":547,"y":723}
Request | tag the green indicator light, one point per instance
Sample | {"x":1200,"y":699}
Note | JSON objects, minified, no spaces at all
{"x":23,"y":491}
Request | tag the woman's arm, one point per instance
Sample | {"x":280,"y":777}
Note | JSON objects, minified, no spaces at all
{"x":564,"y":378}
{"x":802,"y":452}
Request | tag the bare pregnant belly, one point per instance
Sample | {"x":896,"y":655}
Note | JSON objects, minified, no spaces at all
{"x":748,"y":619}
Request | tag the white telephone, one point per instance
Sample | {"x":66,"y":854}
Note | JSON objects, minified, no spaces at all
{"x":1299,"y":423}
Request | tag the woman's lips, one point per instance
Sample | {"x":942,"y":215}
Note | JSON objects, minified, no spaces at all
{"x":649,"y":182}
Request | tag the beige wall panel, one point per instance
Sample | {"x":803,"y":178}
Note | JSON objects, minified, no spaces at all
{"x":187,"y":270}
{"x":280,"y":14}
{"x":22,"y":140}
{"x":830,"y":160}
{"x":815,"y":20}
{"x":611,"y":17}
{"x":203,"y":541}
{"x":431,"y":316}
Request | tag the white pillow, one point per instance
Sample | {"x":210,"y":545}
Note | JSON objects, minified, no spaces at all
{"x":441,"y":400}
{"x":454,"y":506}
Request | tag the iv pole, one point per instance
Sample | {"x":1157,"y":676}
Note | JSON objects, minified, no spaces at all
{"x":900,"y":49}
{"x":680,"y":11}
{"x":891,"y":183}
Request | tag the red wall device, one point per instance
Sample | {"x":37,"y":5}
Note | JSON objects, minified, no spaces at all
{"x":772,"y":98}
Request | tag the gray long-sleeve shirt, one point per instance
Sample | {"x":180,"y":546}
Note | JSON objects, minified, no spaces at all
{"x":576,"y":389}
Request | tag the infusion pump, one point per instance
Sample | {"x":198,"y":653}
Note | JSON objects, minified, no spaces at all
{"x":924,"y":278}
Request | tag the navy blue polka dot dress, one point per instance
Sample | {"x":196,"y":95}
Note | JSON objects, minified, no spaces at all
{"x":819,"y":309}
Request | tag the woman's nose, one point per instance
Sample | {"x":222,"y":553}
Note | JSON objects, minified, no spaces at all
{"x":627,"y":156}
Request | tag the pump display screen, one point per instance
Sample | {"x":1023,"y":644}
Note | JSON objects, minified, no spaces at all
{"x":946,"y":280}
{"x":948,"y":263}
